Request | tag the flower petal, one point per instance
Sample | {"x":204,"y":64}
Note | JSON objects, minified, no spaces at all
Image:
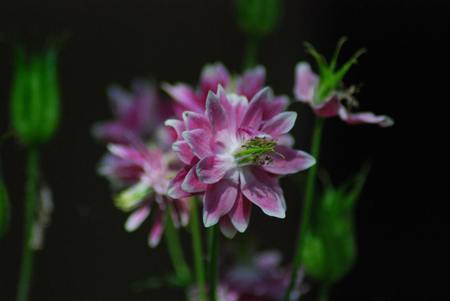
{"x":253,"y":116}
{"x":157,"y":230}
{"x":198,"y":141}
{"x":218,"y":200}
{"x":211,"y":169}
{"x":191,"y":182}
{"x":195,"y":120}
{"x":365,"y":117}
{"x":263,"y":191}
{"x":177,"y":126}
{"x":280,"y":124}
{"x":305,"y":82}
{"x":329,"y":108}
{"x":212,"y":76}
{"x":137,"y":218}
{"x":183,"y":151}
{"x":251,"y":82}
{"x":240,"y":213}
{"x":184,"y":95}
{"x":289,"y":161}
{"x":215,"y":112}
{"x":175,"y":190}
{"x":226,"y":227}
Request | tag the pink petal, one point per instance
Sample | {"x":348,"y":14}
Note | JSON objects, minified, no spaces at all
{"x":183,"y":151}
{"x":305,"y":82}
{"x":137,"y":218}
{"x":175,"y":190}
{"x":226,"y":227}
{"x":198,"y":141}
{"x":263,"y":190}
{"x":251,"y":82}
{"x":240,"y":213}
{"x":184,"y":95}
{"x":157,"y":230}
{"x":177,"y":126}
{"x":120,"y":100}
{"x":211,"y":169}
{"x":215,"y":112}
{"x":191,"y":182}
{"x":218,"y":200}
{"x":365,"y":117}
{"x":280,"y":124}
{"x":212,"y":76}
{"x":275,"y":106}
{"x":329,"y":108}
{"x":194,"y":121}
{"x":289,"y":161}
{"x":253,"y":116}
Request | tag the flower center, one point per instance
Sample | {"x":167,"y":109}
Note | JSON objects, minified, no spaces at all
{"x":258,"y":150}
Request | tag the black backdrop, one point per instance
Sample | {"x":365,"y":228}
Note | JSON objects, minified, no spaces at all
{"x":88,"y":256}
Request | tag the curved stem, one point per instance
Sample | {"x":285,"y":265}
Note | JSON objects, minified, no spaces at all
{"x":198,"y":251}
{"x":26,"y":267}
{"x":213,"y":262}
{"x":175,"y":251}
{"x":307,"y":207}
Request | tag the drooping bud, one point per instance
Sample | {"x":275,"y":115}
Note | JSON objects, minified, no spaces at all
{"x":258,"y":17}
{"x":35,"y":96}
{"x":329,"y":244}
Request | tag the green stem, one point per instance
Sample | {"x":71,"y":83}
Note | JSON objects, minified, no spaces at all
{"x":324,"y":293}
{"x":198,"y":251}
{"x":307,"y":207}
{"x":251,"y":52}
{"x":214,"y":262}
{"x":26,"y":267}
{"x":175,"y":250}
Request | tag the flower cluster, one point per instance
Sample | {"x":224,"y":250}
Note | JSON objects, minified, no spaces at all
{"x":140,"y":162}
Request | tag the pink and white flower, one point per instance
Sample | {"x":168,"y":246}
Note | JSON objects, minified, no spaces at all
{"x":152,"y":169}
{"x":234,"y":153}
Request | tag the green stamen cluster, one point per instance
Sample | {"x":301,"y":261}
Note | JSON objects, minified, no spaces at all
{"x":256,"y":151}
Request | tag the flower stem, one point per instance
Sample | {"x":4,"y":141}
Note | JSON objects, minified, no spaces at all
{"x":307,"y":207}
{"x":26,"y":267}
{"x":197,"y":250}
{"x":251,"y":52}
{"x":213,"y":262}
{"x":175,"y":250}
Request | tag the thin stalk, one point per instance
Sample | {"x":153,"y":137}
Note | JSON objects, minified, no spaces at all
{"x":307,"y":207}
{"x":26,"y":266}
{"x":214,"y":262}
{"x":175,"y":251}
{"x":251,"y":52}
{"x":198,"y":251}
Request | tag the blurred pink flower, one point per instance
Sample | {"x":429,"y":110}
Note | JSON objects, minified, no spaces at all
{"x":148,"y":170}
{"x":234,"y":156}
{"x":138,"y":114}
{"x":213,"y":75}
{"x":306,"y":85}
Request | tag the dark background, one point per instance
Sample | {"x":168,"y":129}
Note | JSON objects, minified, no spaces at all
{"x":401,"y":216}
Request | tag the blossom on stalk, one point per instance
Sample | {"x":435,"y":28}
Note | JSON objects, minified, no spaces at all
{"x":324,"y":92}
{"x":213,"y":75}
{"x":153,"y":170}
{"x":234,"y":157}
{"x":138,"y":114}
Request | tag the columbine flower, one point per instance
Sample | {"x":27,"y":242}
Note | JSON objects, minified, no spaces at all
{"x":138,"y":114}
{"x":251,"y":82}
{"x":152,"y":169}
{"x":234,"y":156}
{"x":324,"y":92}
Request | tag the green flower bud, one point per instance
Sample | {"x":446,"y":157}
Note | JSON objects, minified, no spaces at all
{"x":330,"y":247}
{"x":35,"y":96}
{"x":4,"y":209}
{"x":258,"y":17}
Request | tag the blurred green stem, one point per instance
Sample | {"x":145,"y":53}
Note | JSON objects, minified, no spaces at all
{"x":197,"y":249}
{"x":251,"y":52}
{"x":307,"y":207}
{"x":26,"y":267}
{"x":175,"y":250}
{"x":324,"y":293}
{"x":213,"y":262}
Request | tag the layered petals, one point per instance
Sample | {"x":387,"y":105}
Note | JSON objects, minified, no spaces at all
{"x":289,"y":161}
{"x":218,"y":200}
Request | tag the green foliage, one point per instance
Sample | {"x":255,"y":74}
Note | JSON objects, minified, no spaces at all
{"x":258,"y":17}
{"x":35,"y":96}
{"x":331,"y":76}
{"x":330,"y":247}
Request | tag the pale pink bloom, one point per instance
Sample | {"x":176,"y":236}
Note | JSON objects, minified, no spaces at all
{"x":213,"y":75}
{"x":234,"y":157}
{"x":138,"y":114}
{"x":306,"y":83}
{"x":148,"y":170}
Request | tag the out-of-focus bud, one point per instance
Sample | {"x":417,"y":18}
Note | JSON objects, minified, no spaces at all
{"x":4,"y":208}
{"x":35,"y":96}
{"x":258,"y":17}
{"x":330,"y":247}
